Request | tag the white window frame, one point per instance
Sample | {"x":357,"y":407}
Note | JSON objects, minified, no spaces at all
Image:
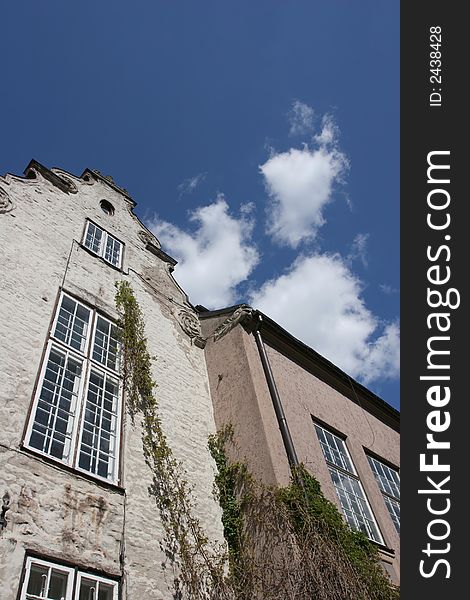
{"x":93,"y":366}
{"x":391,"y":500}
{"x":81,"y":575}
{"x":64,"y":350}
{"x":74,"y":578}
{"x":103,"y":244}
{"x":332,"y":466}
{"x":88,"y":364}
{"x":49,"y":565}
{"x":92,"y":342}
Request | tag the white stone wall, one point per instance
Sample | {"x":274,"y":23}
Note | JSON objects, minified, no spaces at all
{"x":54,"y":511}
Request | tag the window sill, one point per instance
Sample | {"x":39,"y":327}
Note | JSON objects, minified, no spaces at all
{"x":79,"y":474}
{"x":384,"y":549}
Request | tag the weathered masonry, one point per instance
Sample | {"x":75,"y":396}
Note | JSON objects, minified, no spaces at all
{"x":77,"y":520}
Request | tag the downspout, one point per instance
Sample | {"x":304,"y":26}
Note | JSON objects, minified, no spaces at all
{"x":276,"y":400}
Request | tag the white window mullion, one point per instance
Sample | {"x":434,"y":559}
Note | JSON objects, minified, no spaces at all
{"x":117,"y":431}
{"x":48,"y":583}
{"x":98,"y":421}
{"x":77,"y":430}
{"x":104,"y":243}
{"x":53,"y":414}
{"x":27,"y":572}
{"x":100,"y":429}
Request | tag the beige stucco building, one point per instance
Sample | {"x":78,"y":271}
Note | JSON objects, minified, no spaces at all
{"x":76,"y":513}
{"x":288,"y":404}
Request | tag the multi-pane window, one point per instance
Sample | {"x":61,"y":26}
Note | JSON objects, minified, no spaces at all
{"x":105,"y":347}
{"x":103,"y":244}
{"x":76,"y":411}
{"x":351,"y":495}
{"x":49,"y":581}
{"x":389,"y":484}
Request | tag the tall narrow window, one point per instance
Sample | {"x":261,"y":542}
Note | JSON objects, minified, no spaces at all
{"x":76,"y":410}
{"x":44,"y":580}
{"x":389,"y":484}
{"x":105,"y":345}
{"x":351,"y":495}
{"x":103,"y":244}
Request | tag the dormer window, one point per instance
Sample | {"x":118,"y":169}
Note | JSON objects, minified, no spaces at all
{"x":103,"y":244}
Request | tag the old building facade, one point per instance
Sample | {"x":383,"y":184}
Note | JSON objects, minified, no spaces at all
{"x":288,"y":404}
{"x":77,"y":519}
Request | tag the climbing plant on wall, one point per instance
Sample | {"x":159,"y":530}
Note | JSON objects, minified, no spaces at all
{"x":282,"y":543}
{"x":199,"y":565}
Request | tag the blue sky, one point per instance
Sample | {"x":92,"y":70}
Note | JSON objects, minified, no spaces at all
{"x":259,"y":138}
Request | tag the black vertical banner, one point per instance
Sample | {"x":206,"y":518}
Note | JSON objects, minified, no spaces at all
{"x":435,"y":245}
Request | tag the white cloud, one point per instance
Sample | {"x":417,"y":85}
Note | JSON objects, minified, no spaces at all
{"x":213,"y":259}
{"x":359,"y":248}
{"x":300,"y":184}
{"x":388,"y":289}
{"x":247,"y":208}
{"x":189,"y":185}
{"x":329,"y":133}
{"x":384,"y":355}
{"x":319,"y":301}
{"x":300,"y":118}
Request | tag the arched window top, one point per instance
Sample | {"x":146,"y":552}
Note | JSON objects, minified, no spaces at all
{"x":107,"y":207}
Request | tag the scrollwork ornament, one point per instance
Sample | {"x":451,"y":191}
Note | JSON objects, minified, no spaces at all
{"x":71,"y":185}
{"x":6,"y":204}
{"x":189,"y":324}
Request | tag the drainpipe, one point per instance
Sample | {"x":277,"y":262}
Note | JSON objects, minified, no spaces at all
{"x":276,"y":400}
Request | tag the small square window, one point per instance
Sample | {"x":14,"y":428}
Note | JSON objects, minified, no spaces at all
{"x":103,"y":244}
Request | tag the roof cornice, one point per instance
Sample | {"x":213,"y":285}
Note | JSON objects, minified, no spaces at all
{"x":307,"y":358}
{"x":108,"y":180}
{"x":36,"y":167}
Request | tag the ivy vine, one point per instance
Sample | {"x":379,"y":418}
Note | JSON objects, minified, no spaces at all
{"x":282,"y":543}
{"x":292,"y":542}
{"x":199,"y":565}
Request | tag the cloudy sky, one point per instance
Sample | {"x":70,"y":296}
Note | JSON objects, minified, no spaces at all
{"x":259,"y":138}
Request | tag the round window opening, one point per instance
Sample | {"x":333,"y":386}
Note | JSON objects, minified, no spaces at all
{"x":107,"y":207}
